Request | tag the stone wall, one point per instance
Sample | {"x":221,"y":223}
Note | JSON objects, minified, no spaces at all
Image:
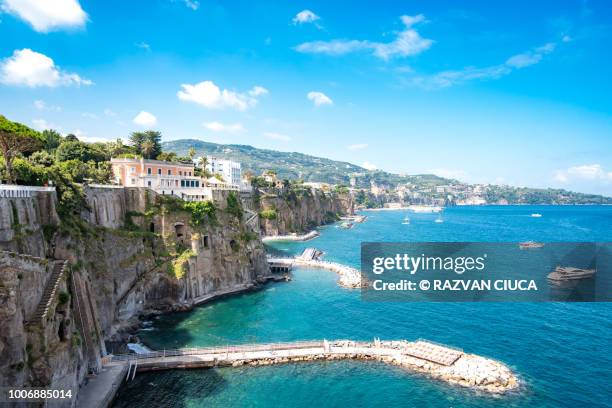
{"x":22,"y":220}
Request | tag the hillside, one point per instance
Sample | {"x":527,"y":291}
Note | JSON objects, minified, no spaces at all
{"x":293,"y":165}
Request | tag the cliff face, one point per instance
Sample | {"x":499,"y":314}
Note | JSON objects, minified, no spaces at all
{"x":130,"y":254}
{"x":287,"y":212}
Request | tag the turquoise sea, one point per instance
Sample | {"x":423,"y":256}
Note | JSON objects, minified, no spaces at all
{"x":561,"y":351}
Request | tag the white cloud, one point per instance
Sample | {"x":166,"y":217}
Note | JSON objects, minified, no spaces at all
{"x":224,"y":127}
{"x":454,"y":77}
{"x":192,"y":4}
{"x":145,"y":119}
{"x":277,"y":136}
{"x":530,"y":57}
{"x":407,"y":42}
{"x":47,"y":15}
{"x":591,"y":172}
{"x":145,"y":46}
{"x":42,"y":105}
{"x":30,"y":68}
{"x":109,"y":112}
{"x":209,"y":95}
{"x":319,"y":98}
{"x":450,"y":173}
{"x":305,"y":16}
{"x":369,"y":166}
{"x":42,"y":124}
{"x":258,"y":91}
{"x":566,"y":39}
{"x":90,"y":115}
{"x":358,"y":146}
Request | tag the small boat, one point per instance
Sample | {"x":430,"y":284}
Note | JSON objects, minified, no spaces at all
{"x":566,"y":273}
{"x":536,"y":215}
{"x":439,"y":220}
{"x":530,"y":244}
{"x":406,"y":220}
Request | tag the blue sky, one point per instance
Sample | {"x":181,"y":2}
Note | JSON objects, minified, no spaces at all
{"x":500,"y":92}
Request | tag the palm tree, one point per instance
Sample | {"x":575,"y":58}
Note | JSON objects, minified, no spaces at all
{"x":147,"y":147}
{"x":192,"y":152}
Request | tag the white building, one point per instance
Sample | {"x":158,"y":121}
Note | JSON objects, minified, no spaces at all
{"x":229,"y":170}
{"x":166,"y":178}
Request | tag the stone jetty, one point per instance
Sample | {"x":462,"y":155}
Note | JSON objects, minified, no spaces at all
{"x":348,"y":277}
{"x":434,"y":360}
{"x":292,"y":237}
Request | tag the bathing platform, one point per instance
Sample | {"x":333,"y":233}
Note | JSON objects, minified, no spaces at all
{"x":434,"y":360}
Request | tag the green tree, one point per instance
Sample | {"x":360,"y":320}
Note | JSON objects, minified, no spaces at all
{"x":73,"y":150}
{"x":167,"y":156}
{"x":191,"y":153}
{"x":52,"y":139}
{"x":155,"y":138}
{"x":151,"y":140}
{"x":147,"y":148}
{"x":136,"y":139}
{"x":15,"y":139}
{"x":42,"y":158}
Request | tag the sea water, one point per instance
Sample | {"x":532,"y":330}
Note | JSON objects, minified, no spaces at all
{"x":560,"y":351}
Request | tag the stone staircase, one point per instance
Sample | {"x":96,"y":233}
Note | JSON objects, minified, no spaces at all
{"x":59,"y":269}
{"x":251,"y":219}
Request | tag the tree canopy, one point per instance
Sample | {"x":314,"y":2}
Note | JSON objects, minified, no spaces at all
{"x":16,"y":138}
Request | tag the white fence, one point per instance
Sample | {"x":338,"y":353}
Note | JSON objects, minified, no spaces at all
{"x":15,"y":191}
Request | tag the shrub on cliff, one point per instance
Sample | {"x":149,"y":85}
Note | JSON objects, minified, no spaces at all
{"x":201,"y":211}
{"x":268,"y":214}
{"x":233,"y":205}
{"x":178,"y":266}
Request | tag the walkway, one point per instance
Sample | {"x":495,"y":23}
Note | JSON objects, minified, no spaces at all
{"x":435,"y":360}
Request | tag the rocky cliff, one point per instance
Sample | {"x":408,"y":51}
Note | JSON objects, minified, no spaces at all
{"x":287,"y":212}
{"x":129,"y":253}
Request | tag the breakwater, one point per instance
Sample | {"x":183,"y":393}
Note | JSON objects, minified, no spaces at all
{"x":292,"y":237}
{"x":347,"y":277}
{"x":434,"y":360}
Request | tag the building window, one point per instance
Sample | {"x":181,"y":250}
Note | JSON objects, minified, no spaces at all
{"x":132,"y":169}
{"x":169,"y":172}
{"x":197,"y":183}
{"x":149,"y":183}
{"x":159,"y":171}
{"x":182,"y":183}
{"x":180,"y":173}
{"x":148,"y":170}
{"x":205,"y":241}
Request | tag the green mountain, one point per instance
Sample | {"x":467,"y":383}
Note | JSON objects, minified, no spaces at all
{"x":293,"y":165}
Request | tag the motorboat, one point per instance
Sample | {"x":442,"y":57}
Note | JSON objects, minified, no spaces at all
{"x":566,"y":273}
{"x":530,"y":244}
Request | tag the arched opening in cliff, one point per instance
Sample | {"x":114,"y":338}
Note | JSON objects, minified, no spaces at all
{"x":234,"y":245}
{"x":179,"y":230}
{"x":152,"y":227}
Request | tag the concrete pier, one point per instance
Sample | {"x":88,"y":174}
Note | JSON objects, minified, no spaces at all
{"x":434,"y":360}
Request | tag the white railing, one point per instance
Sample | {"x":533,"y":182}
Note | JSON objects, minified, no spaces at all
{"x":16,"y":191}
{"x":195,"y":351}
{"x":104,"y":186}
